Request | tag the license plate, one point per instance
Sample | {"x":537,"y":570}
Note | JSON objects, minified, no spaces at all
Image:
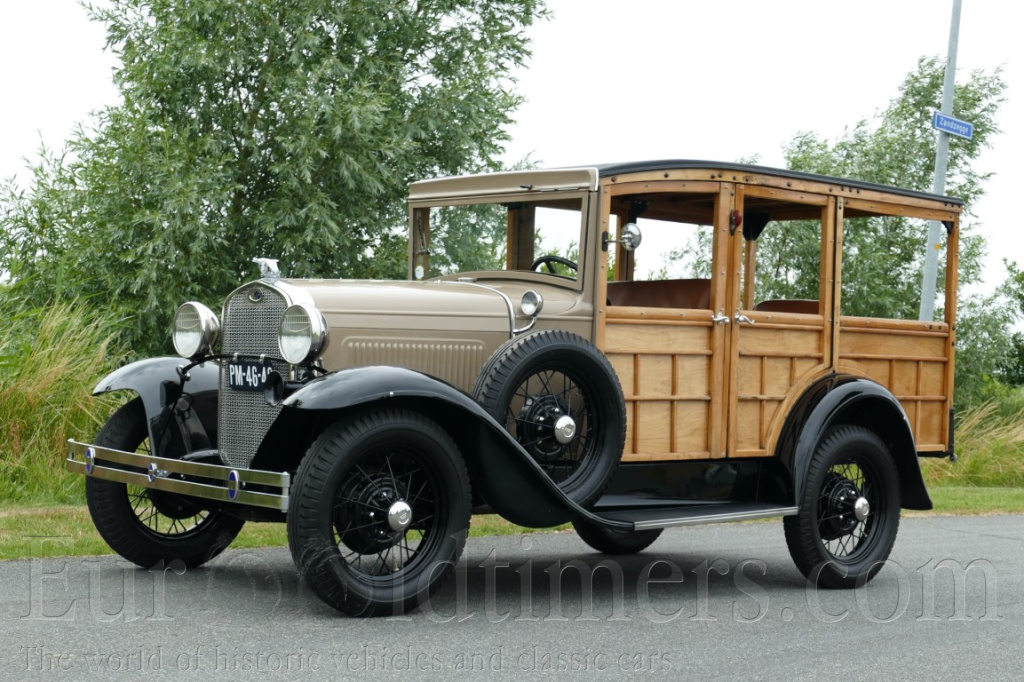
{"x":249,"y":375}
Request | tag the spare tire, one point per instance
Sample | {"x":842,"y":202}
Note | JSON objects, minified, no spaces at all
{"x":558,"y":395}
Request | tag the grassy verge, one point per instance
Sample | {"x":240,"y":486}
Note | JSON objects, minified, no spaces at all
{"x":68,"y":531}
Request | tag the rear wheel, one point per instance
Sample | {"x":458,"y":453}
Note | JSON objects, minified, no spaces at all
{"x":849,"y":512}
{"x":610,"y":541}
{"x":148,"y":526}
{"x":379,"y":512}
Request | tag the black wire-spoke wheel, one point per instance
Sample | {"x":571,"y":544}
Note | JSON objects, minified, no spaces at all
{"x":849,"y":511}
{"x":379,"y":512}
{"x":163,"y":514}
{"x":148,"y":526}
{"x":559,"y":397}
{"x":536,"y":416}
{"x":612,"y":541}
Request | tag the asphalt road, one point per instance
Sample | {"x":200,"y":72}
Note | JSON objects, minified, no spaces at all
{"x":708,"y":603}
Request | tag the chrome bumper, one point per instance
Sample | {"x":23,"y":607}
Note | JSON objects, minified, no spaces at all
{"x":206,"y":481}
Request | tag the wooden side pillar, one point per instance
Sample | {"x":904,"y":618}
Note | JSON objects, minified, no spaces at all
{"x":419,"y":244}
{"x":521,"y":236}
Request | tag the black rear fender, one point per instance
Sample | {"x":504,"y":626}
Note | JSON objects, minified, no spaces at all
{"x":845,"y":399}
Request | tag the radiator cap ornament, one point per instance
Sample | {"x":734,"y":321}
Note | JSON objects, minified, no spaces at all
{"x":268,"y":268}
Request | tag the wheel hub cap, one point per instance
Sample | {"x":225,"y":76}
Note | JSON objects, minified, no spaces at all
{"x":861,"y":508}
{"x":399,"y":515}
{"x":545,"y":428}
{"x":565,"y":429}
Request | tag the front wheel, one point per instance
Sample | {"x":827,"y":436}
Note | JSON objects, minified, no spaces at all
{"x":148,"y":526}
{"x":849,"y":511}
{"x":379,"y":512}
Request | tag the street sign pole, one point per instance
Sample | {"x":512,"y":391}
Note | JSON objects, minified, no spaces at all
{"x":934,"y":244}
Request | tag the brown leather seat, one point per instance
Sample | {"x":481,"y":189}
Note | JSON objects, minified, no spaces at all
{"x":803,"y":306}
{"x":661,"y":293}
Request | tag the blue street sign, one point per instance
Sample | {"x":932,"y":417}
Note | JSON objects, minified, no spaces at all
{"x":953,"y":126}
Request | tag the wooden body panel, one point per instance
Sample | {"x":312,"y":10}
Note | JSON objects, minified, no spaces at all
{"x":911,"y":359}
{"x":666,"y":365}
{"x":778,"y":356}
{"x":696,"y":388}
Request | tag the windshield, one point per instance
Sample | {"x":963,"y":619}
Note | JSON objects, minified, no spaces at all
{"x":541,"y":236}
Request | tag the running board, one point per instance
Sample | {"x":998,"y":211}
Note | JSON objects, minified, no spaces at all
{"x":693,"y":515}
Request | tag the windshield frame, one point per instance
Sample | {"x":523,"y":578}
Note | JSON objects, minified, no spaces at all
{"x":418,"y":237}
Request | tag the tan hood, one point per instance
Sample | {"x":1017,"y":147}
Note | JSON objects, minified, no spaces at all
{"x":409,"y":306}
{"x":446,"y":329}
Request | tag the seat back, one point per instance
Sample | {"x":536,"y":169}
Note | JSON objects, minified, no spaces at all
{"x":803,"y":306}
{"x":661,"y":293}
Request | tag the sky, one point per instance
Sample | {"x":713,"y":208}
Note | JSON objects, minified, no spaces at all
{"x":623,"y":81}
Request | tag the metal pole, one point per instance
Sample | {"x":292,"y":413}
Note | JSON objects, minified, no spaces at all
{"x":935,"y":230}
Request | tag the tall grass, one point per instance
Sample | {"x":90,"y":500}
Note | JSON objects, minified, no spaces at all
{"x":50,"y":360}
{"x":989,"y":446}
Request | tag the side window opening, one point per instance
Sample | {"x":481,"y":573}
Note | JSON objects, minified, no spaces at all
{"x":782,"y":257}
{"x":882,"y":266}
{"x":672,"y":266}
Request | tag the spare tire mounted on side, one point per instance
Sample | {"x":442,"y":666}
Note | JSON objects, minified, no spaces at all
{"x":558,"y":395}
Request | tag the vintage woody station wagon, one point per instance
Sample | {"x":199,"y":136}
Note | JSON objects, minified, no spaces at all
{"x":544,"y":363}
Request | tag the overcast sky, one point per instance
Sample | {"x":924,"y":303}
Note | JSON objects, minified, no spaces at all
{"x":628,"y":80}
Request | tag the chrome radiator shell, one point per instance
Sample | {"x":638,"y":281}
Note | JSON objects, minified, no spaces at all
{"x":249,"y":325}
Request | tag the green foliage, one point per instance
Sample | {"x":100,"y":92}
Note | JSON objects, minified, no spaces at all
{"x":50,"y":359}
{"x":287,"y":129}
{"x":984,"y":349}
{"x":466,"y":238}
{"x":882,"y":258}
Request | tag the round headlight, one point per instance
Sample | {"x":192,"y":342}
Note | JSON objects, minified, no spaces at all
{"x":195,"y":329}
{"x":302,"y":335}
{"x":532,"y":303}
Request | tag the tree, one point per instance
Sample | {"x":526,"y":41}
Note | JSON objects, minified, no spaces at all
{"x":287,"y":129}
{"x":882,"y":257}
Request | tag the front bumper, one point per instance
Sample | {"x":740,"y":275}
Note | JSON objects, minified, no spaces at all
{"x":247,"y":487}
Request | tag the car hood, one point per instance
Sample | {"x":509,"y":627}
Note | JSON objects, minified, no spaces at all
{"x":446,"y":328}
{"x":412,"y":306}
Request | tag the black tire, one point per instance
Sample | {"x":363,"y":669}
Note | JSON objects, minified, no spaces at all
{"x":609,"y":541}
{"x":147,"y":526}
{"x":532,"y":381}
{"x":354,"y":476}
{"x":831,"y":542}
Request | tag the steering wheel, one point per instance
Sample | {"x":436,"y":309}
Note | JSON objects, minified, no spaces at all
{"x":546,"y":261}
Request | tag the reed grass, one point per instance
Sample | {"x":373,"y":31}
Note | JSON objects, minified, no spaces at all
{"x":989,"y":444}
{"x":50,"y":360}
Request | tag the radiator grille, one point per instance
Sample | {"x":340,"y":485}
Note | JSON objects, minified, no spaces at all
{"x":249,"y":327}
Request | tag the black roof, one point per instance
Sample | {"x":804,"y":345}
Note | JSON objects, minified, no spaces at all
{"x":608,"y":169}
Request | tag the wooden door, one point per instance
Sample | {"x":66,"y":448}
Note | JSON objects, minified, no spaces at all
{"x":777,"y":346}
{"x":670,"y":359}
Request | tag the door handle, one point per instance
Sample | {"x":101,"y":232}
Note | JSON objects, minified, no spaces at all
{"x":720,"y":319}
{"x":743,"y":319}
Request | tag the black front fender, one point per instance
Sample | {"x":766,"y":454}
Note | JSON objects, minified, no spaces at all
{"x":158,"y":385}
{"x":501,"y":471}
{"x":846,"y":399}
